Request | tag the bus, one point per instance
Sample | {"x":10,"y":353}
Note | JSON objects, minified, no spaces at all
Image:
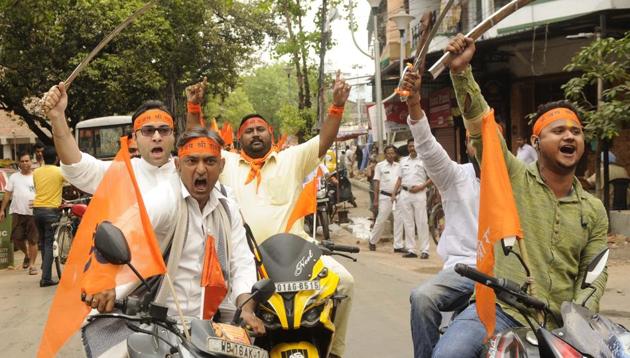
{"x":100,"y":137}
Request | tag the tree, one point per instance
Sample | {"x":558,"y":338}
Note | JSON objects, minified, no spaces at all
{"x":173,"y":45}
{"x":605,"y":62}
{"x":231,"y":109}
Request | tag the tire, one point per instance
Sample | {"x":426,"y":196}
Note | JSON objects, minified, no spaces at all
{"x":436,"y":222}
{"x":64,"y":240}
{"x":325,"y":224}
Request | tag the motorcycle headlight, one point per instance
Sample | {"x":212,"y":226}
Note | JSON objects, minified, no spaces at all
{"x":268,"y":317}
{"x":311,"y":316}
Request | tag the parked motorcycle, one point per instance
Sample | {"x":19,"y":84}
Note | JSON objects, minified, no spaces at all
{"x":299,"y":316}
{"x":323,"y":215}
{"x":583,"y":334}
{"x":151,"y":332}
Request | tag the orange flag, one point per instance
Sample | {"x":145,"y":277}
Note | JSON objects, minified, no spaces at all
{"x":498,"y":217}
{"x":227,"y":133}
{"x":212,"y":280}
{"x":118,"y":200}
{"x":306,"y":203}
{"x":214,"y":126}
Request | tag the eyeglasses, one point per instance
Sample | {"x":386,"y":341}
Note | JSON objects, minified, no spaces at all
{"x":149,"y":131}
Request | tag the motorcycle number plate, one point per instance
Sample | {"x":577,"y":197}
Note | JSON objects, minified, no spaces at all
{"x":296,"y":286}
{"x":233,"y":349}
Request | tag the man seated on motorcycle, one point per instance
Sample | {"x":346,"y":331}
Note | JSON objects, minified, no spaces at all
{"x":564,"y":226}
{"x":459,"y":187}
{"x":207,"y":218}
{"x":267,"y":184}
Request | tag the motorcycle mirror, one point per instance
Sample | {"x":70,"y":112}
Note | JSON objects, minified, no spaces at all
{"x":507,"y":244}
{"x":595,"y":268}
{"x":111,"y":244}
{"x":263,"y":290}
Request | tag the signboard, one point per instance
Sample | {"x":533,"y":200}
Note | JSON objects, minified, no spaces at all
{"x":396,"y":112}
{"x":440,"y":115}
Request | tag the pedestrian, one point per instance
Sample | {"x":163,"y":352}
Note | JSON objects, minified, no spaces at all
{"x":369,"y":173}
{"x":459,"y":187}
{"x":48,"y":183}
{"x":564,"y":227}
{"x":39,"y":155}
{"x":349,"y":158}
{"x":359,"y":157}
{"x":386,"y":174}
{"x":524,"y":151}
{"x":412,"y":201}
{"x":21,"y":192}
{"x":268,"y":184}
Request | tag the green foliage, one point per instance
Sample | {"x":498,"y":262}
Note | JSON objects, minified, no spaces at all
{"x":609,"y":60}
{"x":174,"y":44}
{"x":234,"y":107}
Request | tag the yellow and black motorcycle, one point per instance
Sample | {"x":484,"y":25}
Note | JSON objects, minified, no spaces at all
{"x":299,"y":316}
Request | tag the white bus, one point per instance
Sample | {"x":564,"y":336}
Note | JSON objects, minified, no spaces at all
{"x":100,"y":137}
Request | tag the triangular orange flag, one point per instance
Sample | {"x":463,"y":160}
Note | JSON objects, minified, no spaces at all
{"x":214,"y":126}
{"x":118,"y":200}
{"x":227,"y":133}
{"x":306,"y":203}
{"x":498,"y":217}
{"x":212,"y":280}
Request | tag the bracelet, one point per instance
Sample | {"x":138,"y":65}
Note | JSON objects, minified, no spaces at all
{"x":335,"y":111}
{"x":193,"y":107}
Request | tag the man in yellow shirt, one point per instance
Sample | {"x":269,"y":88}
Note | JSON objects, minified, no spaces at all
{"x":48,"y":183}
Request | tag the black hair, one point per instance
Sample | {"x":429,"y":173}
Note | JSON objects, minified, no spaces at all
{"x":23,"y":153}
{"x":410,"y":140}
{"x":198,"y":132}
{"x":252,"y":116}
{"x":391,"y":146}
{"x":147,"y":105}
{"x":544,"y":108}
{"x":50,"y":155}
{"x":39,"y":145}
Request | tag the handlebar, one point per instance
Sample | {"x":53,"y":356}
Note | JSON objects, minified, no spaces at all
{"x":341,"y":248}
{"x":500,"y":285}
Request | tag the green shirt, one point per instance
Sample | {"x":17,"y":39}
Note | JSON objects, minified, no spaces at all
{"x":562,"y":236}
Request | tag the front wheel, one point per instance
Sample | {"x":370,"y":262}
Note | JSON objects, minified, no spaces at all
{"x":64,"y":239}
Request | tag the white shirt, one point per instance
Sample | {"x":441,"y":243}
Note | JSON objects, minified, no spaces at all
{"x":201,"y":224}
{"x":527,"y":154}
{"x":89,"y":171}
{"x":459,"y":189}
{"x":387,"y":175}
{"x":23,"y":193}
{"x":267,"y":209}
{"x":412,"y":172}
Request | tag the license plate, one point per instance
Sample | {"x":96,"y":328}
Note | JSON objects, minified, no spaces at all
{"x":295,"y":286}
{"x":233,"y":349}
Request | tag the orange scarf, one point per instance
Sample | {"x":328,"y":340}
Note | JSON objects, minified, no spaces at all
{"x":255,"y":165}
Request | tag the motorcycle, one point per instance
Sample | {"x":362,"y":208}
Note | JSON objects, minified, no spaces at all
{"x":299,"y":316}
{"x":323,"y":216}
{"x":151,"y":332}
{"x":583,"y":334}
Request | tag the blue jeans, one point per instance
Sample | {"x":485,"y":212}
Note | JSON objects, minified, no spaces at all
{"x":446,"y":291}
{"x":44,"y":218}
{"x":465,"y":336}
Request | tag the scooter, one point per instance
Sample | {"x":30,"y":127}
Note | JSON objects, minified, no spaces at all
{"x":299,"y":316}
{"x":583,"y":334}
{"x":152,"y":333}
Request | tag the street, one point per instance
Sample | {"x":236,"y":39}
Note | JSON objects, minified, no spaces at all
{"x":379,"y":325}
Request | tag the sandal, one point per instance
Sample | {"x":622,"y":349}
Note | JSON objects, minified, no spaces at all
{"x":33,"y":270}
{"x":26,"y":263}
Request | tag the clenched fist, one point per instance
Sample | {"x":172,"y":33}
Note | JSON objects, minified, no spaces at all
{"x":55,"y":102}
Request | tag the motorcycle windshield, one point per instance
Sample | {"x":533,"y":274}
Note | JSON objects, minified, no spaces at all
{"x":288,"y":257}
{"x":577,"y":330}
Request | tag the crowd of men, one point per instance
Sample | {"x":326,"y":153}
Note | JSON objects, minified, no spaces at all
{"x":202,"y":197}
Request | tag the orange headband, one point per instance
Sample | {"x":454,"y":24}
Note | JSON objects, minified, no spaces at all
{"x":253,"y":120}
{"x":559,"y":113}
{"x":153,"y":115}
{"x":203,"y":145}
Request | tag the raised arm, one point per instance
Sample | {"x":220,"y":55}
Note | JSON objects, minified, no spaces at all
{"x":194,"y":97}
{"x":441,"y":169}
{"x":330,"y":127}
{"x":54,"y":103}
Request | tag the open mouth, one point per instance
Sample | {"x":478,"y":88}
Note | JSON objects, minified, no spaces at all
{"x":567,"y":149}
{"x":200,"y":184}
{"x":157,"y":150}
